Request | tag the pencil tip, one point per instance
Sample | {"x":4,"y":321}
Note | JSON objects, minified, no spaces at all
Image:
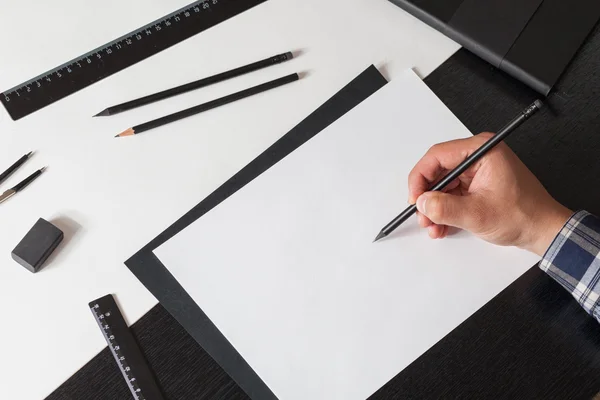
{"x":43,"y":169}
{"x":380,"y":236}
{"x":103,"y":113}
{"x":127,"y":132}
{"x":29,"y":154}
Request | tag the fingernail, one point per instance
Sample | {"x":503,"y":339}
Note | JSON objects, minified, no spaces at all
{"x":421,"y":203}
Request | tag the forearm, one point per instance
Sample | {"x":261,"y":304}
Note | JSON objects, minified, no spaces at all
{"x":573,"y":260}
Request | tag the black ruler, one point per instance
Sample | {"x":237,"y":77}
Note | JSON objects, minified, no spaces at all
{"x":119,"y":54}
{"x":124,"y":348}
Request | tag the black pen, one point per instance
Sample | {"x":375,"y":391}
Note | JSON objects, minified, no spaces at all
{"x":15,"y":167}
{"x":20,"y":186}
{"x":456,"y":172}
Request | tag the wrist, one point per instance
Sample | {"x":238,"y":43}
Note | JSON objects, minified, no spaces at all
{"x":547,"y":226}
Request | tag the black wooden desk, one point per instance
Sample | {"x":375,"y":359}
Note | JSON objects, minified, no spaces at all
{"x":532,"y":341}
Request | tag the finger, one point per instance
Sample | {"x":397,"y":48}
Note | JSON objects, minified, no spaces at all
{"x":435,"y":231}
{"x":424,"y":222}
{"x":451,"y":186}
{"x":439,"y":158}
{"x":448,"y":209}
{"x":457,"y":191}
{"x":445,"y":232}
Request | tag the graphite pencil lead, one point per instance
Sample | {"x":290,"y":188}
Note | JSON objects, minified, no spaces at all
{"x":127,"y":132}
{"x":380,"y":236}
{"x":103,"y":113}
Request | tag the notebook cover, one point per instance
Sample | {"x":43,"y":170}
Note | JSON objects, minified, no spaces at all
{"x":159,"y":281}
{"x":532,"y":40}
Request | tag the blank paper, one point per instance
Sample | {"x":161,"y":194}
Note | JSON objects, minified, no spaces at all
{"x":286,"y":267}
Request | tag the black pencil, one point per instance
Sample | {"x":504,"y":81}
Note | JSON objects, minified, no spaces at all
{"x":15,"y":166}
{"x":209,"y":106}
{"x":456,"y":172}
{"x":165,"y":94}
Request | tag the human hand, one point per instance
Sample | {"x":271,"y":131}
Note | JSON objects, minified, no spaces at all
{"x":498,"y":199}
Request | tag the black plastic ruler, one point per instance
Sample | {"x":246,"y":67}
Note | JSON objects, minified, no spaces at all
{"x":119,"y":54}
{"x":124,"y":348}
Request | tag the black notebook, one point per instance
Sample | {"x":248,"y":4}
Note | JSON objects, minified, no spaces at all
{"x":532,"y":40}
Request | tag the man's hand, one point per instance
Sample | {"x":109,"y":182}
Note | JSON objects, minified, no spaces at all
{"x":497,"y":199}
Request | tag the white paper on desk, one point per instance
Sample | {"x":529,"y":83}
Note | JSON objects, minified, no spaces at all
{"x":287,"y":270}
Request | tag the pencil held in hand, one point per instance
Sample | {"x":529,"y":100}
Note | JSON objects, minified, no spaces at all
{"x":456,"y":172}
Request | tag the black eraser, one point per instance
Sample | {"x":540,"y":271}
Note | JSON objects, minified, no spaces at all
{"x":37,"y":245}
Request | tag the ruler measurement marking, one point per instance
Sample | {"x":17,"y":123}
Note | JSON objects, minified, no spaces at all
{"x":130,"y":36}
{"x":119,"y":54}
{"x":115,"y":348}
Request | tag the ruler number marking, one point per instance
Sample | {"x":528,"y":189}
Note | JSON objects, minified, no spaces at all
{"x":77,"y":73}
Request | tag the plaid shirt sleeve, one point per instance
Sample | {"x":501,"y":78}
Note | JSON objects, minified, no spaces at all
{"x":573,"y":260}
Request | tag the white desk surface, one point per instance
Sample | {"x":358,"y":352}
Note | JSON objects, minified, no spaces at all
{"x":112,"y":196}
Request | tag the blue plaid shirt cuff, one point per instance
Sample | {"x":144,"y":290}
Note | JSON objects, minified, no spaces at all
{"x":573,"y":260}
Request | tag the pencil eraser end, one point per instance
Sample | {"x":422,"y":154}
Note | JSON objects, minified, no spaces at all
{"x":539,"y":104}
{"x":289,"y":55}
{"x":37,"y":245}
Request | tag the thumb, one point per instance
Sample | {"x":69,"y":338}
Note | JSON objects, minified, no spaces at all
{"x":446,"y":209}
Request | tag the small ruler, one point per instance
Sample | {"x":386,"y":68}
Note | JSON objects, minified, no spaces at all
{"x":119,"y":54}
{"x":124,"y":348}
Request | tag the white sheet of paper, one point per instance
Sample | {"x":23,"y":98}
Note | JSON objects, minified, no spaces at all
{"x":287,"y":270}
